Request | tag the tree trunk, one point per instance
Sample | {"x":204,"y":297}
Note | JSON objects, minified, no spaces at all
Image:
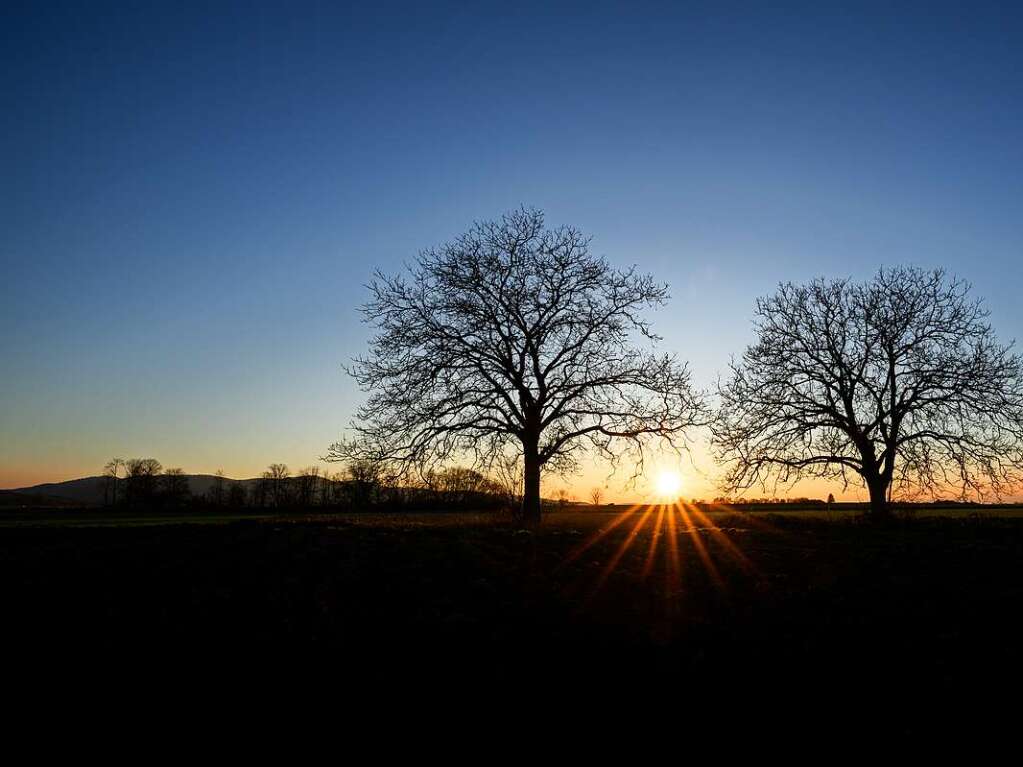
{"x":531,"y":488}
{"x":879,"y":508}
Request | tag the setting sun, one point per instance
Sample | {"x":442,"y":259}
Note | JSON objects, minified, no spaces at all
{"x":668,"y":485}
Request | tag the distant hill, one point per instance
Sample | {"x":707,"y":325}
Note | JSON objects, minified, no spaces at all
{"x":16,"y":498}
{"x":89,"y":491}
{"x":86,"y":491}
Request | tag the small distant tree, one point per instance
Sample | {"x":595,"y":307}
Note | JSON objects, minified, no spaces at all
{"x":111,"y":472}
{"x":275,"y":480}
{"x":831,"y":500}
{"x":363,"y":482}
{"x":174,"y":487}
{"x":460,"y":485}
{"x":236,"y":496}
{"x":141,"y":479}
{"x":307,"y":484}
{"x":596,"y":496}
{"x":326,"y":489}
{"x":218,"y":490}
{"x":259,"y":495}
{"x":507,"y":478}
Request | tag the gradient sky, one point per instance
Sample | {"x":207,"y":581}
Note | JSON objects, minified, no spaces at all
{"x":191,"y":199}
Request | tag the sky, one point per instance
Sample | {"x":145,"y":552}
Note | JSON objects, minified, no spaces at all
{"x":193,"y":197}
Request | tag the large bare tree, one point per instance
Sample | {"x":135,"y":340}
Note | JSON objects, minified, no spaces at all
{"x":898,"y":382}
{"x":514,"y":336}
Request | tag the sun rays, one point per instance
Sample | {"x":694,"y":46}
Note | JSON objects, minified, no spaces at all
{"x":675,"y":537}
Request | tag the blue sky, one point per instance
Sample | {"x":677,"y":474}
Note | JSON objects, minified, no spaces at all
{"x":192,"y":197}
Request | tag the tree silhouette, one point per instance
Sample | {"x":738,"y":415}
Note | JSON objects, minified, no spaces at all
{"x":307,"y":483}
{"x":236,"y":495}
{"x":110,"y":472}
{"x":218,"y":491}
{"x":332,"y":491}
{"x":898,"y":382}
{"x":506,"y":473}
{"x":363,"y":481}
{"x":460,"y":485}
{"x":514,"y":336}
{"x":275,"y":483}
{"x":141,"y":475}
{"x":174,"y":485}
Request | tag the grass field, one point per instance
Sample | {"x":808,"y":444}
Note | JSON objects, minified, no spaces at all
{"x":586,"y":516}
{"x":781,"y":614}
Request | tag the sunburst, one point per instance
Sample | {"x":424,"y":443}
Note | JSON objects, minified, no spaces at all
{"x":666,"y":524}
{"x":668,"y":485}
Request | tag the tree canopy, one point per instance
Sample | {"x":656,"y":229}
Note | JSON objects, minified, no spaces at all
{"x":514,"y":336}
{"x":898,"y":382}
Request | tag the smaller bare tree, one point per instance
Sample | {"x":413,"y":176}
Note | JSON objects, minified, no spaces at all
{"x":236,"y":495}
{"x":507,"y":477}
{"x":218,"y":492}
{"x":459,"y":485}
{"x":110,"y":472}
{"x":275,"y":480}
{"x":363,"y":482}
{"x":596,"y":496}
{"x":896,"y":382}
{"x":141,"y":475}
{"x":326,"y":489}
{"x":174,"y":487}
{"x":307,"y":481}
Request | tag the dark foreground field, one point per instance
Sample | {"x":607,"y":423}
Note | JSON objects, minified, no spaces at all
{"x":743,"y":618}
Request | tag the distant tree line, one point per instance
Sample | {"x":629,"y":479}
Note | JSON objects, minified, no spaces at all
{"x":360,"y":485}
{"x":144,"y":483}
{"x":724,"y":500}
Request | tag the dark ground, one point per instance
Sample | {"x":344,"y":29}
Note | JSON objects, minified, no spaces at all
{"x":909,"y":628}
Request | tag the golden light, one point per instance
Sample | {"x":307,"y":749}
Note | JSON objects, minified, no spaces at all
{"x":668,"y":485}
{"x":662,"y":537}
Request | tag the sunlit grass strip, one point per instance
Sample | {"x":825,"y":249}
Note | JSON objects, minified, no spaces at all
{"x":655,"y":536}
{"x":586,"y":545}
{"x":701,"y":548}
{"x":674,"y":559}
{"x":668,"y":521}
{"x":748,"y":517}
{"x":621,"y":551}
{"x":718,"y":534}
